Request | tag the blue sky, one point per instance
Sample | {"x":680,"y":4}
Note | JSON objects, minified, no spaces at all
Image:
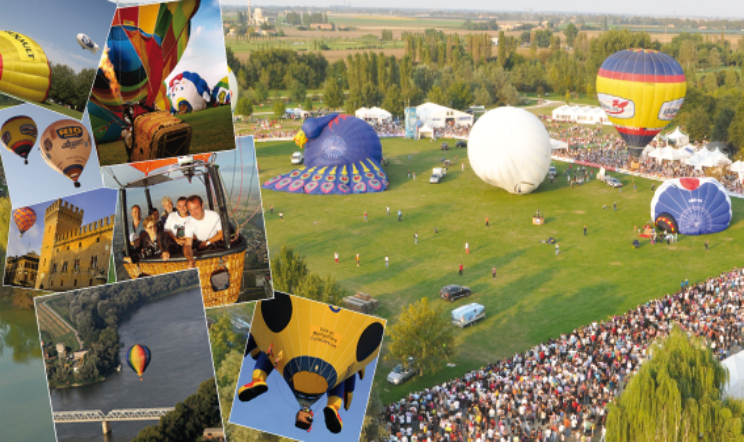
{"x":55,"y":24}
{"x":234,"y":165}
{"x":97,"y":204}
{"x":205,"y":54}
{"x":275,"y":410}
{"x":25,"y":181}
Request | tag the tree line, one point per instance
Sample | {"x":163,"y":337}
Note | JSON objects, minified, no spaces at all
{"x":71,"y":88}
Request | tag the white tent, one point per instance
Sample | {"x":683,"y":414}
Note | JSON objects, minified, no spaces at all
{"x":558,"y":145}
{"x":424,"y":111}
{"x":697,"y":158}
{"x":686,"y":151}
{"x":665,"y":154}
{"x":680,"y":139}
{"x":581,"y":114}
{"x":449,"y":116}
{"x":426,"y":132}
{"x":373,"y":114}
{"x":737,"y":167}
{"x":735,"y":385}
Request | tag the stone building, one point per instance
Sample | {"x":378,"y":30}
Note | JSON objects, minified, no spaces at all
{"x":73,"y":255}
{"x":21,"y":270}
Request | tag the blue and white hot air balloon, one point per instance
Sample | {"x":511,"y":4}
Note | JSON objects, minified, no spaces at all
{"x":342,"y":156}
{"x":691,"y":206}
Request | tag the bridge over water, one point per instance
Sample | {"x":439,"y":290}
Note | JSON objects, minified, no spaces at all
{"x":116,"y":415}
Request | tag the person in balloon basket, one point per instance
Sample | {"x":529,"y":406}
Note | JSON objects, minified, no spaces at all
{"x":266,"y":362}
{"x":152,"y":242}
{"x":175,"y":224}
{"x":202,"y":231}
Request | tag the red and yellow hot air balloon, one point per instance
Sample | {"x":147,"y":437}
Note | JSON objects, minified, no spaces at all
{"x":25,"y":218}
{"x":138,"y":358}
{"x":24,"y":68}
{"x":18,"y":135}
{"x":640,"y":90}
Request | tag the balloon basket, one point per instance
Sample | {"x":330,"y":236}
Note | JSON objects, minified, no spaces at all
{"x":538,"y":220}
{"x":159,"y":135}
{"x":77,"y":185}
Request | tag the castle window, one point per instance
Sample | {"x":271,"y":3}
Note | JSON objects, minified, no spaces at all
{"x":98,"y":240}
{"x":64,"y":267}
{"x":80,"y":245}
{"x":90,"y":282}
{"x":45,"y":261}
{"x":77,"y":265}
{"x":61,"y":283}
{"x":54,"y":268}
{"x":75,"y":283}
{"x":51,"y":283}
{"x":68,"y":247}
{"x":93,"y":262}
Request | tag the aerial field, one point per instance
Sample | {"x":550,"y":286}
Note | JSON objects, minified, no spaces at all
{"x":536,"y":295}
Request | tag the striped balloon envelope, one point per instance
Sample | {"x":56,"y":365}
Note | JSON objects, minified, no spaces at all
{"x":640,"y":90}
{"x":24,"y":218}
{"x":18,"y":134}
{"x":138,"y":358}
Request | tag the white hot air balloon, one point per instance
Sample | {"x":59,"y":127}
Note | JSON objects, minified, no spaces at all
{"x":233,"y":88}
{"x":86,"y":43}
{"x":510,"y":148}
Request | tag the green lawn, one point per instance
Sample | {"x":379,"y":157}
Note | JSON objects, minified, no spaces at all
{"x":211,"y":130}
{"x":61,"y":306}
{"x":537,"y":294}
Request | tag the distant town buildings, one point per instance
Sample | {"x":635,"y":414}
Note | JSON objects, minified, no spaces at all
{"x":22,"y":270}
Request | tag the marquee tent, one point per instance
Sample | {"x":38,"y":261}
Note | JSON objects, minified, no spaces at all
{"x":437,"y":116}
{"x":373,"y":114}
{"x":558,"y":145}
{"x":581,"y":114}
{"x":680,"y":139}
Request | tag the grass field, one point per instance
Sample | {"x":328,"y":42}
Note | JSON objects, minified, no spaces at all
{"x":537,"y":294}
{"x":211,"y":130}
{"x":61,"y":306}
{"x":56,"y":331}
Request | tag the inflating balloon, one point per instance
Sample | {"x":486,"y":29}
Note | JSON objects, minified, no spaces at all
{"x":24,"y":218}
{"x":65,"y":146}
{"x":640,"y":90}
{"x":188,"y":93}
{"x":138,"y":358}
{"x":221,"y":94}
{"x":18,"y":135}
{"x":696,"y":206}
{"x":144,"y":45}
{"x":24,"y":68}
{"x":510,"y":148}
{"x":86,"y":43}
{"x":317,"y":349}
{"x":342,"y":156}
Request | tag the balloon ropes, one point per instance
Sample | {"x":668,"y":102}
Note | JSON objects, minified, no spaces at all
{"x":245,"y":217}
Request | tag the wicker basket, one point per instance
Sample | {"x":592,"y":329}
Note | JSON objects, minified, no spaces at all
{"x":160,"y":135}
{"x":233,"y":262}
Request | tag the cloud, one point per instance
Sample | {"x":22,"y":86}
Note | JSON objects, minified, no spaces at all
{"x":199,"y":30}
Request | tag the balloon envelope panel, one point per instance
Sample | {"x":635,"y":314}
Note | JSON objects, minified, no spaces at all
{"x":24,"y":218}
{"x":65,"y":146}
{"x":510,"y":148}
{"x":18,"y":134}
{"x":698,"y":205}
{"x":24,"y":68}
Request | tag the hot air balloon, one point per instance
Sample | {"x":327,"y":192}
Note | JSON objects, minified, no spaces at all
{"x":694,"y":206}
{"x":188,"y":92}
{"x":221,"y":94}
{"x":162,"y":100}
{"x":65,"y":146}
{"x":19,"y":135}
{"x":234,"y":90}
{"x":138,"y":358}
{"x":640,"y":90}
{"x":25,"y":218}
{"x":144,"y":45}
{"x":86,"y":43}
{"x":24,"y":68}
{"x":510,"y":148}
{"x":342,"y":156}
{"x":317,"y":349}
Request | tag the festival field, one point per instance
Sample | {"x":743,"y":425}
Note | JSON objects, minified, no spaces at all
{"x":536,"y":295}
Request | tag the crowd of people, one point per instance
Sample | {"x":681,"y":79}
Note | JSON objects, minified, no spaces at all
{"x":451,"y":132}
{"x":559,"y":390}
{"x":389,"y":129}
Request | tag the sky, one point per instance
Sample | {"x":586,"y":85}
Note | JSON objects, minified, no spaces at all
{"x":275,"y":410}
{"x":55,"y":24}
{"x":97,"y":204}
{"x":205,"y":54}
{"x":23,"y":180}
{"x":680,"y":8}
{"x":229,"y":161}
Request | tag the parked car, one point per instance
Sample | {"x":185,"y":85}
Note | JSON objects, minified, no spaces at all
{"x":461,"y":144}
{"x":402,"y":372}
{"x":437,"y":175}
{"x":552,"y":170}
{"x":613,"y":182}
{"x":454,"y":292}
{"x":297,"y":158}
{"x":445,"y":146}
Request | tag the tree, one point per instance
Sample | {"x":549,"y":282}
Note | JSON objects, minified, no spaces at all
{"x":393,"y":102}
{"x":308,"y":105}
{"x":482,"y":96}
{"x":436,"y":95}
{"x":333,"y":97}
{"x":297,"y":92}
{"x":677,"y":395}
{"x":570,"y":32}
{"x":698,"y":124}
{"x":736,"y":129}
{"x":279,"y":108}
{"x":721,"y":124}
{"x":423,"y":333}
{"x":459,"y":95}
{"x":244,"y":107}
{"x":372,"y":429}
{"x":714,"y":58}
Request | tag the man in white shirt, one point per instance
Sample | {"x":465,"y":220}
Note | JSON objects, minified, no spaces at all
{"x":202,"y":230}
{"x":175,"y":224}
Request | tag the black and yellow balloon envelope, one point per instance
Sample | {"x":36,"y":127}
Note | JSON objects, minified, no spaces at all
{"x":24,"y":69}
{"x":18,"y":135}
{"x":313,"y":346}
{"x":65,"y":146}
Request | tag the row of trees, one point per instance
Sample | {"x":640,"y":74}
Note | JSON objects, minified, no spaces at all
{"x":71,"y":88}
{"x":290,"y":273}
{"x":302,"y":19}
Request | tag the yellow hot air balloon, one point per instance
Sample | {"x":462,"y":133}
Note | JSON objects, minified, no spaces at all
{"x":640,"y":90}
{"x":24,"y":68}
{"x":316,"y":348}
{"x":65,"y":146}
{"x":18,"y":135}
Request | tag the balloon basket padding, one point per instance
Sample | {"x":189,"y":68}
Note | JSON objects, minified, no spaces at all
{"x":234,"y":263}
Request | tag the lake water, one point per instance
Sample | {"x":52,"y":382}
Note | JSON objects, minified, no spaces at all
{"x":175,"y":330}
{"x":25,"y":414}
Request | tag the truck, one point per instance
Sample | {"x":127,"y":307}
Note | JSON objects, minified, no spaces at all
{"x":468,"y":315}
{"x":437,"y":175}
{"x":297,"y":112}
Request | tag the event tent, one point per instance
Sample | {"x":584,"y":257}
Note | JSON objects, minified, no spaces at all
{"x":680,"y":139}
{"x":665,"y":154}
{"x":426,"y":132}
{"x":581,"y":114}
{"x":437,"y":116}
{"x":558,"y":145}
{"x":373,"y":114}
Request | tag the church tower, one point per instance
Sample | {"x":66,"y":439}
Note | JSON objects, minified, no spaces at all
{"x":60,"y":217}
{"x":248,"y":17}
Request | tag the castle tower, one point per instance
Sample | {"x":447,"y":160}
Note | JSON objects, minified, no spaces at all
{"x":60,"y":217}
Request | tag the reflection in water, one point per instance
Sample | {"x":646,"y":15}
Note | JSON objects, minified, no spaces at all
{"x":23,"y":340}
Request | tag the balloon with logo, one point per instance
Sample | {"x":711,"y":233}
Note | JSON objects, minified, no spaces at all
{"x":144,"y":45}
{"x":18,"y":135}
{"x":188,"y":93}
{"x":640,"y":90}
{"x":691,"y":206}
{"x":86,"y":43}
{"x":65,"y":146}
{"x":24,"y":218}
{"x":138,"y":358}
{"x":221,"y":94}
{"x":24,"y":68}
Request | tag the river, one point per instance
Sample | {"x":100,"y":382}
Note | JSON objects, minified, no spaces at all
{"x":175,"y":330}
{"x":25,"y":414}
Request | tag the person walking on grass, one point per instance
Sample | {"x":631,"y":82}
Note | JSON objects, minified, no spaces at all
{"x":271,"y":209}
{"x":706,"y":245}
{"x":493,"y":272}
{"x":388,"y":210}
{"x":584,"y":229}
{"x":415,"y":237}
{"x":557,"y":249}
{"x":460,"y":268}
{"x":400,"y":216}
{"x":614,"y":206}
{"x":365,"y":216}
{"x":281,"y":216}
{"x":467,"y":248}
{"x":357,"y":258}
{"x":486,"y":221}
{"x":387,"y":262}
{"x":335,"y":257}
